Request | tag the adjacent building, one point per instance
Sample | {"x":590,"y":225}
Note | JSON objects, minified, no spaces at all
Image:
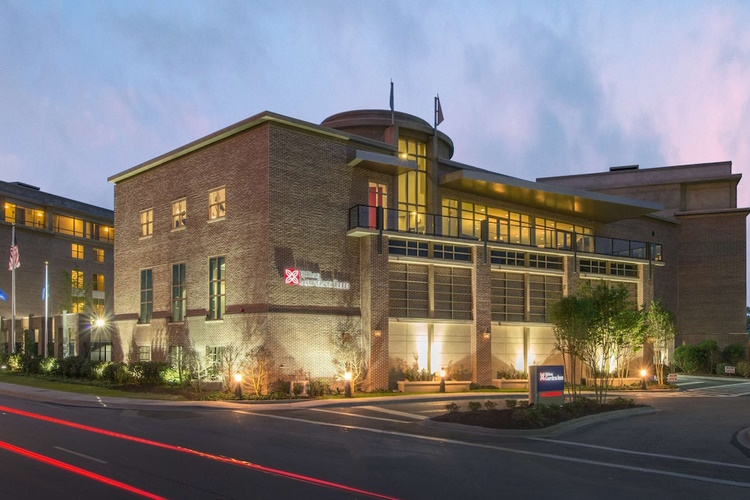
{"x":299,"y":237}
{"x":66,"y":248}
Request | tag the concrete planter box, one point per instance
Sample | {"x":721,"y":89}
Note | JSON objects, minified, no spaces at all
{"x":510,"y":383}
{"x":433,"y":386}
{"x":617,"y":382}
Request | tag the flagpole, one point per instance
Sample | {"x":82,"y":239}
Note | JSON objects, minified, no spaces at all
{"x":13,"y":298}
{"x":46,"y":308}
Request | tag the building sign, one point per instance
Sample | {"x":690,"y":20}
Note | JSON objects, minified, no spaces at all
{"x":300,"y":277}
{"x":546,"y":384}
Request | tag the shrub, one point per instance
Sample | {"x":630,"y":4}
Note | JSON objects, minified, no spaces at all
{"x":720,"y":368}
{"x":297,"y":388}
{"x":70,"y":367}
{"x":117,"y":373}
{"x":474,"y":405}
{"x":689,"y":358}
{"x":14,"y":362}
{"x":743,"y":368}
{"x":318,"y":388}
{"x":733,"y":353}
{"x":489,"y":405}
{"x":49,"y":365}
{"x":711,"y":354}
{"x":511,"y":403}
{"x":451,"y":407}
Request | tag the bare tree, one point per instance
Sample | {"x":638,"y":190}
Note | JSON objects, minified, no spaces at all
{"x":350,"y":355}
{"x":258,"y":365}
{"x":660,"y":330}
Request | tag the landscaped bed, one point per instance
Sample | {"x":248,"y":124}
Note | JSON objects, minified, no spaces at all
{"x":529,"y":417}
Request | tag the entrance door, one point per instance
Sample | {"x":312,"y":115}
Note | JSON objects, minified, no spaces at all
{"x":378,"y":198}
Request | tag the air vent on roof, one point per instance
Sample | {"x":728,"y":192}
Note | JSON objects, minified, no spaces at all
{"x":623,"y":167}
{"x":24,"y":185}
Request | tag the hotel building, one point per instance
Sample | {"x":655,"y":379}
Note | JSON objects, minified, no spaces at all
{"x":76,"y":242}
{"x":291,"y":235}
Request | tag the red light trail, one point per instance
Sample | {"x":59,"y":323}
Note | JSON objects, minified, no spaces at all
{"x":157,"y":444}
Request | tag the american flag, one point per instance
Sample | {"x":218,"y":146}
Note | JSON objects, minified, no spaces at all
{"x":14,"y":262}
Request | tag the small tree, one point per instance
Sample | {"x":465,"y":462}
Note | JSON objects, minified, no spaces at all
{"x":571,"y":319}
{"x":350,"y":355}
{"x":660,"y":330}
{"x":257,"y":368}
{"x":233,"y":359}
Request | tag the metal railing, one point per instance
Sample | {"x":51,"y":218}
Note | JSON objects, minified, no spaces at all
{"x":495,"y":230}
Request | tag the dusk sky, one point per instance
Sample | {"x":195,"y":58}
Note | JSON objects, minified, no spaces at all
{"x":528,"y":89}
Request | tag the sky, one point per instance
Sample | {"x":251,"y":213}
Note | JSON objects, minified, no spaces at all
{"x":89,"y":89}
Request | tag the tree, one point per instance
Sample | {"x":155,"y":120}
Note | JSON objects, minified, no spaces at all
{"x":257,"y":368}
{"x":660,"y":330}
{"x":350,"y":355}
{"x":571,"y":319}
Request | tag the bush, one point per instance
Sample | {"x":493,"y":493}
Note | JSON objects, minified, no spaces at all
{"x":711,"y":354}
{"x":451,"y":407}
{"x":689,"y":358}
{"x":720,"y":368}
{"x":117,"y":373}
{"x":318,"y":388}
{"x":474,"y":405}
{"x":511,"y":403}
{"x":743,"y":368}
{"x":49,"y":366}
{"x":489,"y":405}
{"x":734,"y":353}
{"x":70,"y":367}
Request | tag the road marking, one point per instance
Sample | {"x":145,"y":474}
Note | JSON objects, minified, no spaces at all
{"x":358,"y":416}
{"x":642,"y":453}
{"x":79,"y":454}
{"x":645,"y":470}
{"x":712,"y":387}
{"x":396,"y":412}
{"x":681,"y":384}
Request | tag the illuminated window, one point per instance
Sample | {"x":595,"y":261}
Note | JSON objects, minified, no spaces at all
{"x":77,"y":298}
{"x":67,"y":225}
{"x":214,"y":357}
{"x":98,"y":284}
{"x":77,"y":251}
{"x":412,"y":187}
{"x":450,"y":217}
{"x":178,"y":292}
{"x":147,"y":296}
{"x":179,"y":213}
{"x":144,"y":353}
{"x":97,"y":306}
{"x":23,"y":216}
{"x":98,"y":254}
{"x":216,"y":288}
{"x":217,"y":204}
{"x":175,"y":356}
{"x":147,"y":222}
{"x":106,"y":233}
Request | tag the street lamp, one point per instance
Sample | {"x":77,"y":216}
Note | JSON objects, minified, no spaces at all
{"x":238,"y":385}
{"x":348,"y":382}
{"x":643,"y":379}
{"x":442,"y":380}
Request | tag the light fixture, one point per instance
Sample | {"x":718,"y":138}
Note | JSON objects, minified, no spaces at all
{"x":486,"y":335}
{"x":377,"y":333}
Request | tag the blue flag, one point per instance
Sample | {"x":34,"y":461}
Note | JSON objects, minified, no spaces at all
{"x":3,"y":296}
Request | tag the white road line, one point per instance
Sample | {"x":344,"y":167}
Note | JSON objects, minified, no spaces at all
{"x":79,"y":454}
{"x":681,"y":384}
{"x":396,"y":412}
{"x":710,"y":388}
{"x":645,"y":470}
{"x":642,"y":453}
{"x":358,"y":416}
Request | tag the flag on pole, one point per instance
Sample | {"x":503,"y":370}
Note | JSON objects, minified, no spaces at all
{"x":391,"y":96}
{"x":15,"y":261}
{"x":438,"y":112}
{"x":3,"y":296}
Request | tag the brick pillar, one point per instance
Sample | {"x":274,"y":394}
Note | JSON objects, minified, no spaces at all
{"x":374,"y":293}
{"x":481,"y":342}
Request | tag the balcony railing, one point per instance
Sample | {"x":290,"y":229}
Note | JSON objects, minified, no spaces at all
{"x":495,"y":230}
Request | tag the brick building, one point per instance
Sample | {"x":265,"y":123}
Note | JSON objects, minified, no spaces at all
{"x":292,"y":235}
{"x":76,"y":240}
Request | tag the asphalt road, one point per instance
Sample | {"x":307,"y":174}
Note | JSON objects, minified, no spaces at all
{"x":374,"y":447}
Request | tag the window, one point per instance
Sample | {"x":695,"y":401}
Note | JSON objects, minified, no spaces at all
{"x":412,"y":187}
{"x":98,"y":282}
{"x":543,"y":291}
{"x":451,"y":252}
{"x":378,"y":197}
{"x":178,"y":292}
{"x":101,"y":351}
{"x":107,"y":234}
{"x":546,"y":261}
{"x":506,"y":258}
{"x":98,"y":254}
{"x":77,"y":251}
{"x":411,"y":248}
{"x":179,"y":213}
{"x":147,"y":222}
{"x":175,"y":356}
{"x":67,"y":225}
{"x":450,"y":217}
{"x":76,"y":285}
{"x":23,"y":216}
{"x":217,"y":204}
{"x":452,"y":292}
{"x":214,"y":357}
{"x":147,"y":296}
{"x":593,"y":266}
{"x":622,"y":269}
{"x":408,"y":286}
{"x":508,"y":292}
{"x":216,"y":288}
{"x":144,"y":353}
{"x":97,"y":306}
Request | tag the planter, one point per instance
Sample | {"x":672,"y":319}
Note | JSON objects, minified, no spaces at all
{"x":511,"y":383}
{"x":433,"y":386}
{"x":617,"y":382}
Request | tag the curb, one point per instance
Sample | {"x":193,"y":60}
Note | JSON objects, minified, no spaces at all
{"x":553,"y":430}
{"x":741,"y":440}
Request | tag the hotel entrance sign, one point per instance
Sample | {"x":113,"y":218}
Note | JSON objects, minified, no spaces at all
{"x":301,"y":277}
{"x":547,"y":385}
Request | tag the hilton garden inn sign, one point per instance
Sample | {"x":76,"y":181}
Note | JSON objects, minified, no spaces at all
{"x":300,"y":277}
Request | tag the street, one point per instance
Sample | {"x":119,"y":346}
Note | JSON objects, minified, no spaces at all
{"x":382,"y":447}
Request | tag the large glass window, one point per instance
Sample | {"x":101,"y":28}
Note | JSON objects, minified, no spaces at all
{"x":178,"y":292}
{"x":98,"y":282}
{"x":179,"y":213}
{"x":216,"y":288}
{"x":98,"y":254}
{"x":412,"y":188}
{"x":67,"y":225}
{"x":450,"y":217}
{"x":106,"y":233}
{"x":217,"y":204}
{"x":147,"y":296}
{"x":144,"y":353}
{"x":77,"y":295}
{"x":147,"y":222}
{"x":23,"y":216}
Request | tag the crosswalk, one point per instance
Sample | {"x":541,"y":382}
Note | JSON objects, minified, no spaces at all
{"x":713,"y":387}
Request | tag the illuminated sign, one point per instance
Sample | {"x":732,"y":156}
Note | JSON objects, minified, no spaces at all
{"x":550,"y":381}
{"x":300,"y":277}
